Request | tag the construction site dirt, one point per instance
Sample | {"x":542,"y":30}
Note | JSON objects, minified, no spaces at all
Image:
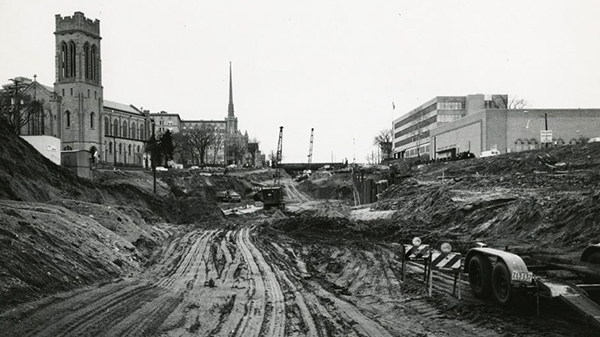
{"x":107,"y":257}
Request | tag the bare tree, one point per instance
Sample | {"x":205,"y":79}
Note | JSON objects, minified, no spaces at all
{"x":512,"y":103}
{"x":184,"y":149}
{"x":17,"y":108}
{"x":218,"y":142}
{"x":236,"y":148}
{"x":384,"y":142}
{"x":200,"y":139}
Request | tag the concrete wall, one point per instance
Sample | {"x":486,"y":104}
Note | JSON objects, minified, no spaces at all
{"x":48,"y":146}
{"x":502,"y":129}
{"x":78,"y":162}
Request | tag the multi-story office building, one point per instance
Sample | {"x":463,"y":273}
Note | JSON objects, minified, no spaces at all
{"x":411,"y":131}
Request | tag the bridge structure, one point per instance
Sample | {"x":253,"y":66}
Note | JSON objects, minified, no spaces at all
{"x":292,"y":168}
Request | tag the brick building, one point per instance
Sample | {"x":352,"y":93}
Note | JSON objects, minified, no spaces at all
{"x":514,"y":130}
{"x":411,"y":131}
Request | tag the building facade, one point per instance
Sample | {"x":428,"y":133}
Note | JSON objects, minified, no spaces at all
{"x":514,"y":130}
{"x":74,"y":109}
{"x":412,"y":131}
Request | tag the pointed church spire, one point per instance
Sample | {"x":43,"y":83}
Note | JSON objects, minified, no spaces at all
{"x":230,"y":107}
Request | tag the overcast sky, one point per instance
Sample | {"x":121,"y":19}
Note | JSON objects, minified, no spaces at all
{"x":335,"y":66}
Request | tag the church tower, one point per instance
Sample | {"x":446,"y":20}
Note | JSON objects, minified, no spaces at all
{"x":231,"y":120}
{"x":79,"y":82}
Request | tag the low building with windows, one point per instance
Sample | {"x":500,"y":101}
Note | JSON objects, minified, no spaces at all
{"x":412,"y":131}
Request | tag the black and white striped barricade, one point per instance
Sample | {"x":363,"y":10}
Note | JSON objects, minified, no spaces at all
{"x":415,"y":253}
{"x":445,"y":262}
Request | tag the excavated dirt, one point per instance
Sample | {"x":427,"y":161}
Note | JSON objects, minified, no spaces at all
{"x":108,"y":257}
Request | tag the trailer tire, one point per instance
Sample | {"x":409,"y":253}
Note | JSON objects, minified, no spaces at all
{"x":594,"y":258}
{"x":480,"y":270}
{"x":501,"y":285}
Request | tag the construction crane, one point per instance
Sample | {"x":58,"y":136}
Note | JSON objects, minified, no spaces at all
{"x":273,"y":196}
{"x":278,"y":157}
{"x":310,"y":147}
{"x":279,"y":147}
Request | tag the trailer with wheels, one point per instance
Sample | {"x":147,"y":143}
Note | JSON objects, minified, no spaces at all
{"x":503,"y":276}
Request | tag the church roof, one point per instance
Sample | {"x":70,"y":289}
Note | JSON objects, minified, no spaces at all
{"x":121,"y":107}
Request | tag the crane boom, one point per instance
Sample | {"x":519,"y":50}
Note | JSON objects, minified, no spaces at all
{"x":278,"y":157}
{"x":310,"y":147}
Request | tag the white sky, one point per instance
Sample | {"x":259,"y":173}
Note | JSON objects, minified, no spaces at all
{"x":336,"y":66}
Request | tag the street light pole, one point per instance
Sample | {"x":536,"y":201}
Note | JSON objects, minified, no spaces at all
{"x":152,"y":155}
{"x":546,"y":125}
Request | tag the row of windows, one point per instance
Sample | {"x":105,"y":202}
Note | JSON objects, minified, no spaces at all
{"x":451,"y":105}
{"x":417,"y":128}
{"x":416,"y":116}
{"x":88,"y":93}
{"x":448,"y":118}
{"x":124,"y":130}
{"x":413,"y":138}
{"x":120,"y":148}
{"x":414,"y":152}
{"x":67,"y":67}
{"x":68,"y":119}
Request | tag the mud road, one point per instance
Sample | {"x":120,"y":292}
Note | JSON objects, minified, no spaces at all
{"x":268,"y":283}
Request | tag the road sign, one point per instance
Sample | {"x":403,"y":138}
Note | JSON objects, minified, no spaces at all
{"x":546,"y":136}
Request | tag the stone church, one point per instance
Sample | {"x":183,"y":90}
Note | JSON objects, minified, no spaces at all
{"x":74,"y":109}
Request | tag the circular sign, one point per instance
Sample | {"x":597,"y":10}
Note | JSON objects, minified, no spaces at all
{"x":446,"y":247}
{"x":416,"y":241}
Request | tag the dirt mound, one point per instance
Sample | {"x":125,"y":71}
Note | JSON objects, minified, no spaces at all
{"x":59,"y":231}
{"x":48,"y":248}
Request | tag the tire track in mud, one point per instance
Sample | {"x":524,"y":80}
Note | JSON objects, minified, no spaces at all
{"x":286,"y":271}
{"x":254,"y":309}
{"x":125,"y":308}
{"x":276,"y":319}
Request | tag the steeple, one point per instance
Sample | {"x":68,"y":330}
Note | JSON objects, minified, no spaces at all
{"x":230,"y":107}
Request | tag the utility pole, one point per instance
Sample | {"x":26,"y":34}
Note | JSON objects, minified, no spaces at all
{"x":546,"y":124}
{"x":152,"y":159}
{"x":310,"y":147}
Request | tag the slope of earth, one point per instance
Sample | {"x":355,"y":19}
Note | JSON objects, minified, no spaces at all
{"x":545,"y":201}
{"x":60,"y":232}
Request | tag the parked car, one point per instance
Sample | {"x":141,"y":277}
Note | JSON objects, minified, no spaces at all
{"x":594,"y":140}
{"x":233,"y":197}
{"x":489,"y":153}
{"x":161,"y":168}
{"x":194,"y":167}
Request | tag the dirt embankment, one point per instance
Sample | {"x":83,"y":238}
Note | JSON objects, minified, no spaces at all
{"x":60,"y":232}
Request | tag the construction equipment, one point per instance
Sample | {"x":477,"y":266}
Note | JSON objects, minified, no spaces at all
{"x":310,"y":147}
{"x":273,"y":196}
{"x":278,"y":157}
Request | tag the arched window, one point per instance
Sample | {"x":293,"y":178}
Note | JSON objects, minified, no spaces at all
{"x":124,"y":130}
{"x":72,"y":52}
{"x":120,"y":148}
{"x":110,"y":146}
{"x":92,"y":116}
{"x":533,"y":144}
{"x":68,"y":118}
{"x":106,"y":126}
{"x":142,"y":131}
{"x":62,"y":62}
{"x":94,"y":63}
{"x":133,"y":133}
{"x":519,"y":145}
{"x":138,"y":149}
{"x":86,"y":60}
{"x":129,"y":149}
{"x":115,"y":128}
